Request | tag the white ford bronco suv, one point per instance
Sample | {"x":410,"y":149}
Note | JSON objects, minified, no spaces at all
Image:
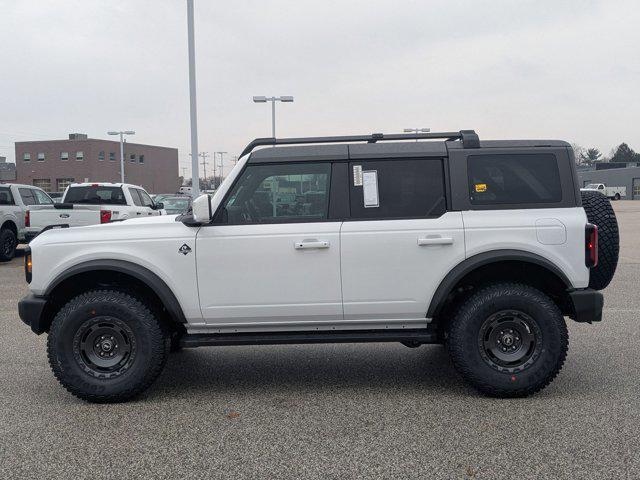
{"x":483,"y":246}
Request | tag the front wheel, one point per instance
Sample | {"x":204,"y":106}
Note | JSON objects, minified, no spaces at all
{"x":106,"y":346}
{"x":508,"y":340}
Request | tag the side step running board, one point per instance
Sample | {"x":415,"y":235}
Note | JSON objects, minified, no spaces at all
{"x":413,"y":337}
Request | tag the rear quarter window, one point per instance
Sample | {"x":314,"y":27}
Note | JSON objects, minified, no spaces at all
{"x":504,"y":179}
{"x":5,"y":196}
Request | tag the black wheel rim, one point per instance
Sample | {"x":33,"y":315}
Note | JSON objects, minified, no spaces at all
{"x":510,"y":341}
{"x":104,"y":347}
{"x":7,"y":246}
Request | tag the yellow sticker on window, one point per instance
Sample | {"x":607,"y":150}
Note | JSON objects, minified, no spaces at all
{"x":481,"y":187}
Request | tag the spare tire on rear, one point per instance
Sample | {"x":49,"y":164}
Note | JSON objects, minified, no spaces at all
{"x":600,"y":213}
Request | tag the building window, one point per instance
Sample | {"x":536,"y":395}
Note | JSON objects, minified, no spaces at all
{"x":101,"y":156}
{"x":43,"y":183}
{"x":63,"y":183}
{"x":41,"y":157}
{"x":132,"y":157}
{"x":26,"y":157}
{"x":79,"y":156}
{"x":64,"y":156}
{"x":141,"y":159}
{"x":112,"y":156}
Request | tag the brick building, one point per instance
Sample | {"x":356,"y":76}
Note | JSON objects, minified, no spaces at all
{"x":54,"y":164}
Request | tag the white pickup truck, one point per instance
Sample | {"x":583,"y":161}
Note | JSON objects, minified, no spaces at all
{"x":91,"y":204}
{"x":611,"y":192}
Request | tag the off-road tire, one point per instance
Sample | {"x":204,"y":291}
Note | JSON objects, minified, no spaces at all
{"x":466,"y":340}
{"x":600,"y":213}
{"x":148,"y":343}
{"x":8,"y":244}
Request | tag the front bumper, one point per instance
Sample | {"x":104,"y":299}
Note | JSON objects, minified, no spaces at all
{"x":30,"y":309}
{"x":587,"y":305}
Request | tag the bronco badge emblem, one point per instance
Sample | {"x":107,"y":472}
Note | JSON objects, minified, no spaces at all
{"x":184,"y":249}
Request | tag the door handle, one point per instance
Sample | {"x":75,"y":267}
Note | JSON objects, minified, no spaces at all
{"x":425,"y":241}
{"x":308,"y":244}
{"x":138,"y":213}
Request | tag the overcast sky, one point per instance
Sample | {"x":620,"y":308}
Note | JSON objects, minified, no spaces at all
{"x":508,"y":69}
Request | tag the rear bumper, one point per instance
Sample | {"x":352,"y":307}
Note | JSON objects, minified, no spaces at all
{"x":30,"y":309}
{"x":587,"y":305}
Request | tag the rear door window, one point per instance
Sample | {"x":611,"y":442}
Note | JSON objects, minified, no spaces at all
{"x":95,"y":195}
{"x":137,"y":201}
{"x":28,"y":198}
{"x":397,"y":188}
{"x":514,"y":179}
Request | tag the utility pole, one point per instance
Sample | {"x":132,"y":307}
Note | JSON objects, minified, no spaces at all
{"x":221,"y":163}
{"x":195,"y":177}
{"x":204,"y":156}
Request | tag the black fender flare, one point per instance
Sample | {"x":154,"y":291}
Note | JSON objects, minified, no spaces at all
{"x":468,"y":265}
{"x":146,"y":276}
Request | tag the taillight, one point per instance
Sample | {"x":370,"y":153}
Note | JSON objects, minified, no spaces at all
{"x":105,"y":216}
{"x":591,"y":245}
{"x":27,"y":219}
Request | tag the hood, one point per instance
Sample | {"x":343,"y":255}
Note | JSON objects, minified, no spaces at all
{"x":147,"y":228}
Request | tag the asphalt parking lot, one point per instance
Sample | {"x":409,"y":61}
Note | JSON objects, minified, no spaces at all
{"x":333,"y":411}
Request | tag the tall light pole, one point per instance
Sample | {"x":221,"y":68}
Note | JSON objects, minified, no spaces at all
{"x":195,"y":177}
{"x":221,"y":164}
{"x":273,"y":100}
{"x":122,"y":134}
{"x":417,"y":130}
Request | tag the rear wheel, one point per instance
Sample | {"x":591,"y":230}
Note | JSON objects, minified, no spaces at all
{"x":600,"y":213}
{"x":106,"y":346}
{"x":8,"y":244}
{"x":508,"y":340}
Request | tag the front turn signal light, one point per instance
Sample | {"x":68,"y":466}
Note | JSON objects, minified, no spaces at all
{"x":28,"y":264}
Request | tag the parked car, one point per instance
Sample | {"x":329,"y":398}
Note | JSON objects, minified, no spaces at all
{"x":614,"y":193}
{"x":483,"y":246}
{"x":89,"y":204}
{"x":14,"y":200}
{"x":176,"y":204}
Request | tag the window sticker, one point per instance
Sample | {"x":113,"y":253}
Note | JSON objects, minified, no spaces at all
{"x":370,"y":188}
{"x":357,"y":175}
{"x":481,"y":187}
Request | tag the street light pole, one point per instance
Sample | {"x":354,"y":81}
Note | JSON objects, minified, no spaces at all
{"x":195,"y":177}
{"x":122,"y":134}
{"x":273,"y":100}
{"x":417,"y":130}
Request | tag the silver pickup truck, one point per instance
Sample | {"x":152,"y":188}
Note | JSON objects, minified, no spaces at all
{"x":91,"y":204}
{"x":14,"y":200}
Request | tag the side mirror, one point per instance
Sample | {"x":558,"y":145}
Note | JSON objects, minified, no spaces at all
{"x":202,"y":209}
{"x":158,"y":206}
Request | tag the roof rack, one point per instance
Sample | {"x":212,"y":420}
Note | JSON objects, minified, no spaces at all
{"x":469,"y":139}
